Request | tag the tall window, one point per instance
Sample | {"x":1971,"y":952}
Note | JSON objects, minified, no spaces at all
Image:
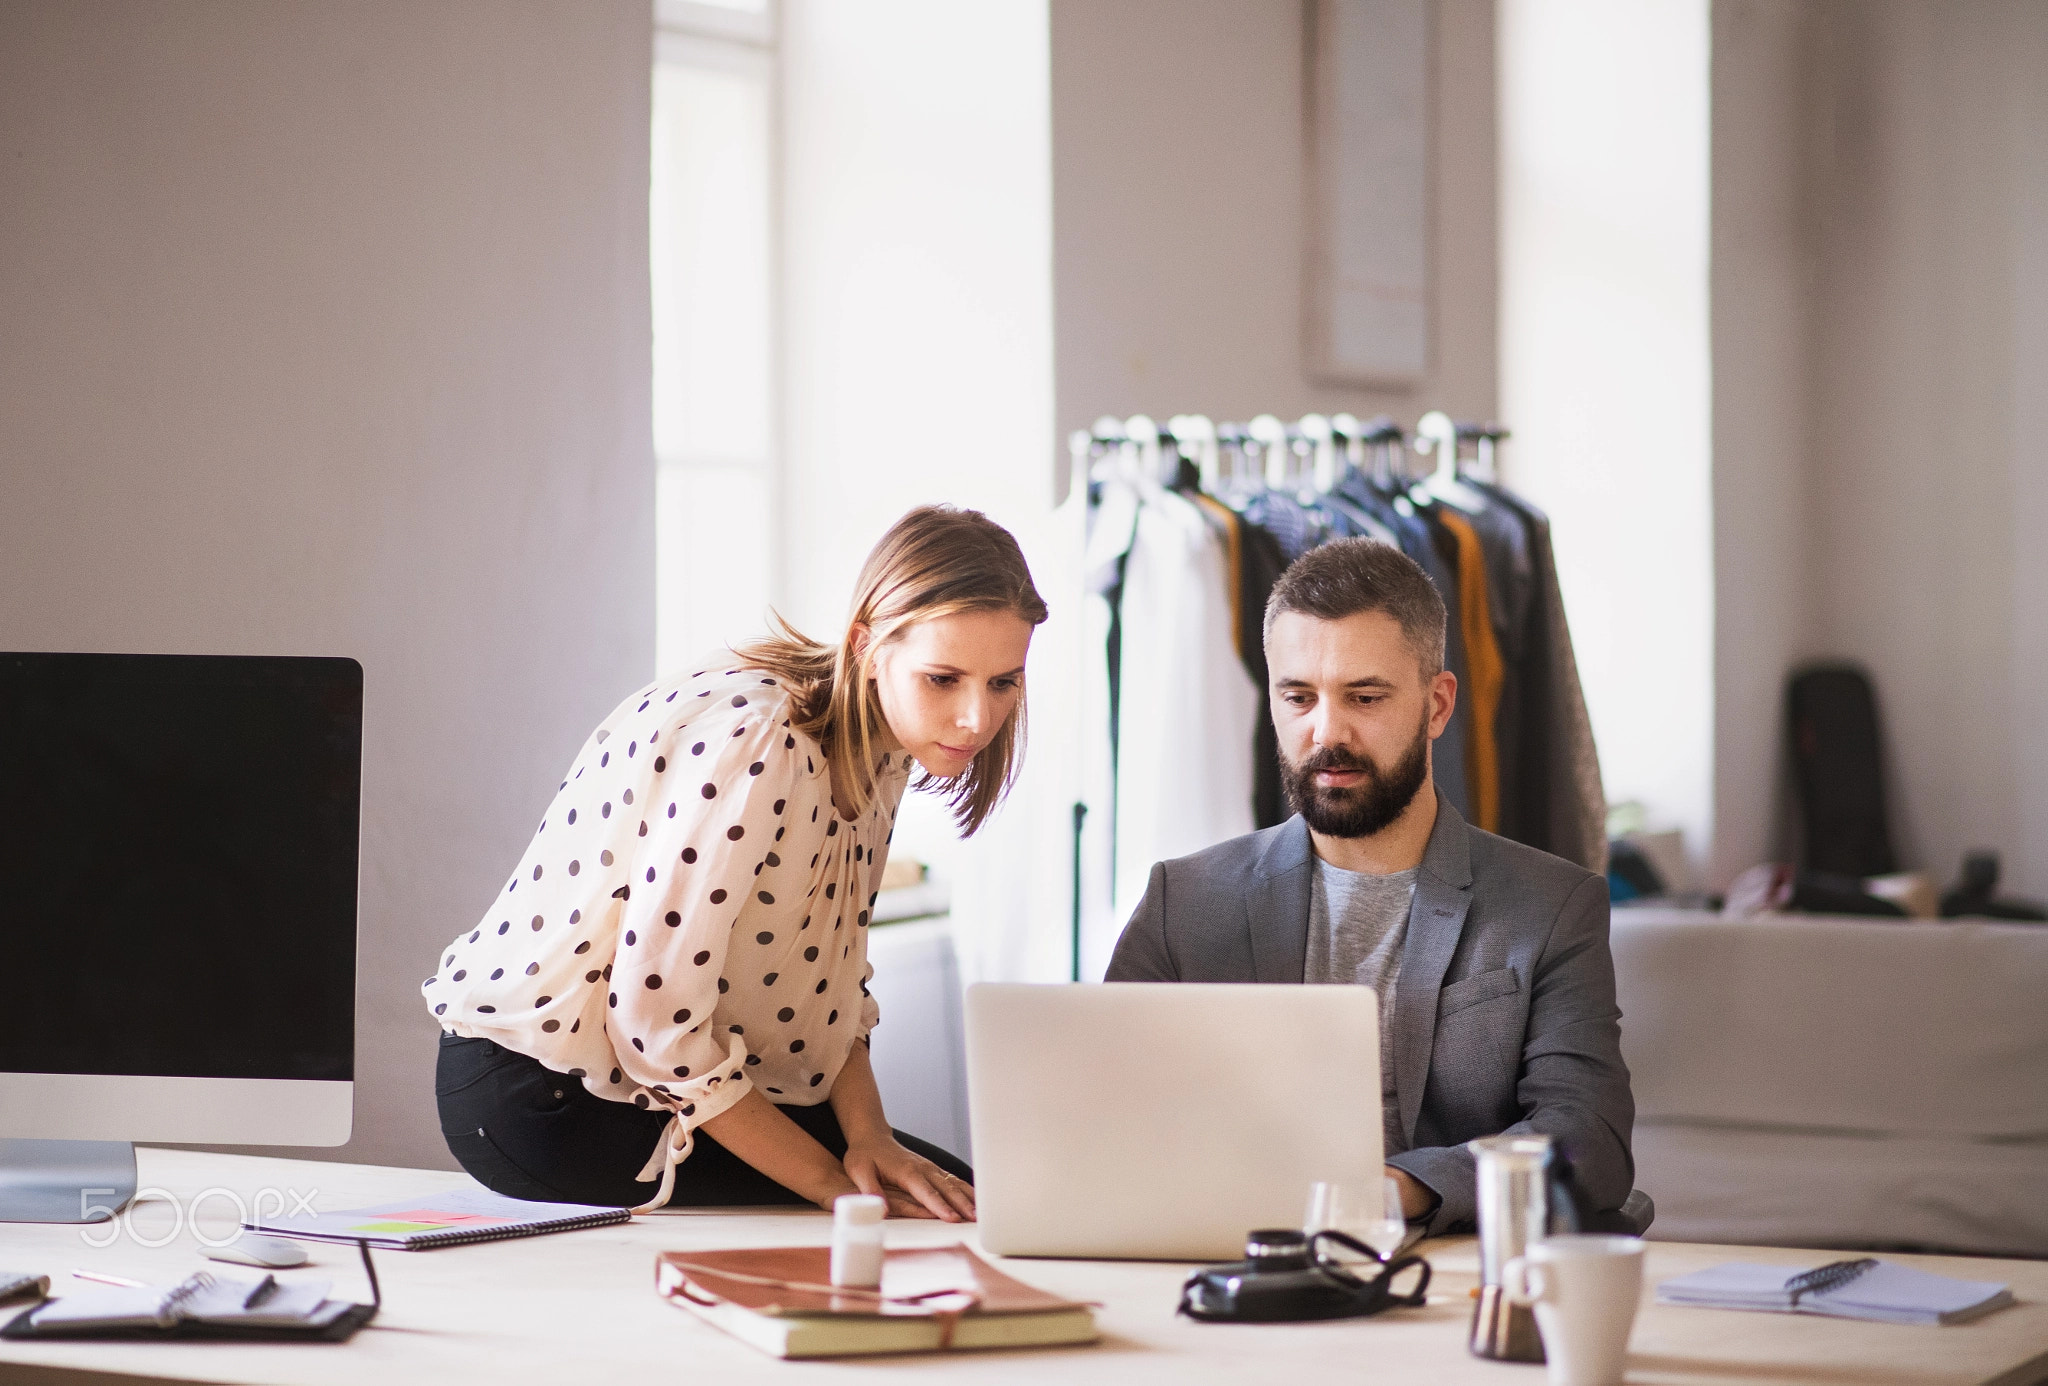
{"x":712,"y":249}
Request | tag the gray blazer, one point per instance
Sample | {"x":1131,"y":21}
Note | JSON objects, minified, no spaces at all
{"x":1504,"y":1013}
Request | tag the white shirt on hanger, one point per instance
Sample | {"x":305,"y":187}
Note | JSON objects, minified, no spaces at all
{"x":1186,"y":706}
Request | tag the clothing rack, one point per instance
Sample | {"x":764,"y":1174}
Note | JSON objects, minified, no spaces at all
{"x":1306,"y":455}
{"x":1519,"y":755}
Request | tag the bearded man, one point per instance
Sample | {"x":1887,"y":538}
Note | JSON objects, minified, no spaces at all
{"x":1490,"y":958}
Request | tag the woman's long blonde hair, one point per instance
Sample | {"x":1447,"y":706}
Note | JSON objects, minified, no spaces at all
{"x":935,"y":561}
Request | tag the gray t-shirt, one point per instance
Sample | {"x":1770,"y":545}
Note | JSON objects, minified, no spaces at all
{"x":1357,"y":923}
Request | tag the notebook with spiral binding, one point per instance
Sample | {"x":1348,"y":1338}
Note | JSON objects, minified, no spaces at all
{"x":1865,"y":1288}
{"x":455,"y":1218}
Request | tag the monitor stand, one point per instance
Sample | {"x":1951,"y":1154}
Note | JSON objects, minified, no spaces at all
{"x":65,"y":1181}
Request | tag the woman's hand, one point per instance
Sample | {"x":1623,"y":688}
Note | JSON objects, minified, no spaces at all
{"x":877,"y":1162}
{"x":913,"y":1185}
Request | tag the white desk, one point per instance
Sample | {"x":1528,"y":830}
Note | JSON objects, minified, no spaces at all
{"x":580,"y":1307}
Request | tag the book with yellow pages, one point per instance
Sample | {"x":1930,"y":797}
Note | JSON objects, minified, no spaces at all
{"x":781,"y":1300}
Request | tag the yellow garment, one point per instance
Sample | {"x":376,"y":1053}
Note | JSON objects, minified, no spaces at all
{"x":1485,"y":672}
{"x":1233,"y":543}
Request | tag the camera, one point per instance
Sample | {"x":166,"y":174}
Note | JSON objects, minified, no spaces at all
{"x":1291,"y":1277}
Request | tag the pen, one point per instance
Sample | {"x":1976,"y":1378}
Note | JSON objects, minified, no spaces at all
{"x":122,"y":1281}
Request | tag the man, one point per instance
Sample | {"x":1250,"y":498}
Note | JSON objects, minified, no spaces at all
{"x":1490,"y":958}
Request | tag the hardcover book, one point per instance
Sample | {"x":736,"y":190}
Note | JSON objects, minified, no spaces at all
{"x":781,"y":1300}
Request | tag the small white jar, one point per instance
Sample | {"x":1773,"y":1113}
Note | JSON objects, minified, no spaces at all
{"x":857,"y":1240}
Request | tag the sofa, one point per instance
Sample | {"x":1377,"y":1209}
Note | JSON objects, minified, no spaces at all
{"x":1838,"y":1082}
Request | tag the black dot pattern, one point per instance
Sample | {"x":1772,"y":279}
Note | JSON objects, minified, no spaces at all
{"x":679,"y":927}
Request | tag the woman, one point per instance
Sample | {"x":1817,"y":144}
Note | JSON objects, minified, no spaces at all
{"x":668,"y":1002}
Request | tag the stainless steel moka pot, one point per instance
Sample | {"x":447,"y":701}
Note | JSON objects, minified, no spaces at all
{"x":1514,"y":1210}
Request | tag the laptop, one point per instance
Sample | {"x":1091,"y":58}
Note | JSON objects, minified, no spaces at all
{"x":1150,"y":1121}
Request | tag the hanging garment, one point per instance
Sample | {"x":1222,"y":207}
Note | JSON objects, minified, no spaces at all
{"x":1184,"y":700}
{"x":1261,"y":563}
{"x":1294,"y":526}
{"x":1483,"y":660}
{"x":1229,"y":526}
{"x":1447,"y":757}
{"x":1255,"y":565}
{"x":1112,"y":530}
{"x":1013,"y":890}
{"x":1510,"y":589}
{"x":1563,"y":804}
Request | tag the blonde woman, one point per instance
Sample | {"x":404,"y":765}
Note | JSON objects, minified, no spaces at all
{"x":668,"y":1002}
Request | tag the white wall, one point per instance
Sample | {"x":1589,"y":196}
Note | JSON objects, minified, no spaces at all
{"x":917,"y":245}
{"x":1604,"y":367}
{"x":1179,"y":200}
{"x":1880,"y":378}
{"x":917,"y":311}
{"x":1764,"y":275}
{"x":1931,"y":483}
{"x":324,"y":330}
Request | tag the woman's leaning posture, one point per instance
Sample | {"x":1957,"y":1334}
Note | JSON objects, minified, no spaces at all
{"x":668,"y":1003}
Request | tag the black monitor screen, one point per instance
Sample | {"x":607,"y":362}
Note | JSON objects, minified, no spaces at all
{"x":178,"y":864}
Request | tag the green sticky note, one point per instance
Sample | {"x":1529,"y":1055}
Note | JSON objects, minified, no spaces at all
{"x":397,"y":1227}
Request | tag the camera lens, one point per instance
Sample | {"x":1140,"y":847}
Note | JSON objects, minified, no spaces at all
{"x":1276,"y":1248}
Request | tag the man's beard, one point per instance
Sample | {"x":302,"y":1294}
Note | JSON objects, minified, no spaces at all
{"x":1362,"y":809}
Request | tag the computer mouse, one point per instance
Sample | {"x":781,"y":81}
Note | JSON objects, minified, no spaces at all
{"x":252,"y":1249}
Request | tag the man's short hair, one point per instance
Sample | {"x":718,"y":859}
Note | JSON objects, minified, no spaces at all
{"x":1347,"y":576}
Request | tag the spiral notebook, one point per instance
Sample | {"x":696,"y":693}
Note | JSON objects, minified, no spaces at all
{"x":445,"y":1219}
{"x":1866,"y":1288}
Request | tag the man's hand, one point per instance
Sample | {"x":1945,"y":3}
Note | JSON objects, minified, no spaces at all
{"x":1417,"y":1199}
{"x":913,"y":1185}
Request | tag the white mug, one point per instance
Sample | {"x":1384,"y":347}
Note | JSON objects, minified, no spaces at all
{"x":1584,"y":1289}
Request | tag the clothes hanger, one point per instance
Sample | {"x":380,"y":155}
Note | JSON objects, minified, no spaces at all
{"x":1269,"y":435}
{"x":1386,"y":442}
{"x":1332,"y":464}
{"x":1490,"y":436}
{"x":1237,"y":464}
{"x":1194,"y":437}
{"x":1320,"y":437}
{"x":1390,"y":463}
{"x":1080,"y":461}
{"x":1349,"y":434}
{"x":1151,"y":465}
{"x":1113,"y":518}
{"x":1436,"y":434}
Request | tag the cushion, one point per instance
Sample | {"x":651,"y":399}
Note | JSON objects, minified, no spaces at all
{"x":1894,"y":1027}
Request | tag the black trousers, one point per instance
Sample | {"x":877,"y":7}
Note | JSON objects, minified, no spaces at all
{"x":525,"y":1131}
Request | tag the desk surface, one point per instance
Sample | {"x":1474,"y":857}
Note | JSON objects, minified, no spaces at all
{"x":580,"y":1307}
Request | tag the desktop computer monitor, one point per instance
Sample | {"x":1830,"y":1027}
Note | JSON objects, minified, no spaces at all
{"x":178,"y":862}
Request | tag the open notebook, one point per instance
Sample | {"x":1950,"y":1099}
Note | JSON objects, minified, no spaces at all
{"x":1862,"y":1289}
{"x":203,"y":1305}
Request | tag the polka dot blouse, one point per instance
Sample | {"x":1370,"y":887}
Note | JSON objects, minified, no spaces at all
{"x":690,"y":919}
